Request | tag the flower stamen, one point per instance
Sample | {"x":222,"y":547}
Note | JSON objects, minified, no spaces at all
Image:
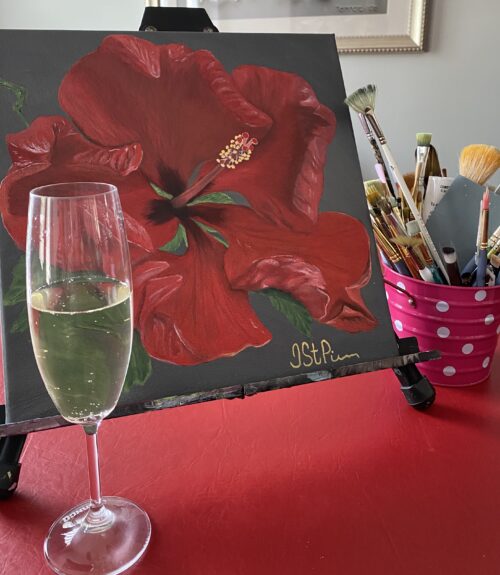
{"x":238,"y":150}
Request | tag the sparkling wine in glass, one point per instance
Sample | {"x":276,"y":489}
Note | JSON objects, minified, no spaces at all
{"x":80,"y":314}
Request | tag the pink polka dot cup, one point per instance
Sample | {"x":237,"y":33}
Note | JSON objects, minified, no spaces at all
{"x":463,"y":323}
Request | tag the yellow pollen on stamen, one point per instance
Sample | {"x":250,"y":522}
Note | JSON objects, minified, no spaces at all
{"x":238,"y":150}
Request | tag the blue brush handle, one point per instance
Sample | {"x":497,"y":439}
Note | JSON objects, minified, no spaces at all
{"x":482,"y":262}
{"x":469,"y":267}
{"x":385,"y":260}
{"x":402,"y":269}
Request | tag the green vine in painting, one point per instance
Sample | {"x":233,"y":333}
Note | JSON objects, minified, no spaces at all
{"x":20,"y":94}
{"x":140,"y":368}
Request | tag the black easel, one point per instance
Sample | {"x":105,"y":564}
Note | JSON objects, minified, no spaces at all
{"x":416,"y":388}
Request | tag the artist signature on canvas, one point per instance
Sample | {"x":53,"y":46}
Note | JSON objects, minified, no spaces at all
{"x":307,"y":354}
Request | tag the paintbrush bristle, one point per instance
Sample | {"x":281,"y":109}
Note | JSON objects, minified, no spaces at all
{"x":373,"y":198}
{"x":406,"y":241}
{"x":372,"y":186}
{"x":424,"y":139}
{"x":478,"y":162}
{"x":362,"y":99}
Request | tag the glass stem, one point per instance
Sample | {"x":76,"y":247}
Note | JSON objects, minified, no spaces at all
{"x":93,"y":464}
{"x":98,"y":518}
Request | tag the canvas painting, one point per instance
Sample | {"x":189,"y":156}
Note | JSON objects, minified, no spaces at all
{"x":242,"y":197}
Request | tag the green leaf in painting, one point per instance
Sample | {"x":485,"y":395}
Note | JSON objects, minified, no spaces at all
{"x":17,"y":289}
{"x":20,"y":324}
{"x":177,"y":242}
{"x":293,"y":310}
{"x":20,"y":94}
{"x":214,"y":233}
{"x":214,"y":198}
{"x":160,"y":192}
{"x":139,"y":368}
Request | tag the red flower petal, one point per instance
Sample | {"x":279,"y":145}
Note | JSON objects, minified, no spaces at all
{"x":52,"y":151}
{"x":283,"y":180}
{"x":180,"y":104}
{"x":323,"y":269}
{"x":187,"y":312}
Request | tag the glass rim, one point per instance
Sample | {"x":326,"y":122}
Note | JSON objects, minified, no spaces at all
{"x":38,"y":191}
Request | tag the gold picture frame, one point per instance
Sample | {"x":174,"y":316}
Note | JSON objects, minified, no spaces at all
{"x":400,"y":29}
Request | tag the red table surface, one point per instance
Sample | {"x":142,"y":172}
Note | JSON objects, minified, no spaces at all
{"x":339,"y":477}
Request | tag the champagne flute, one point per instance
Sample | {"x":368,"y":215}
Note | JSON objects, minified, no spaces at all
{"x":79,"y":294}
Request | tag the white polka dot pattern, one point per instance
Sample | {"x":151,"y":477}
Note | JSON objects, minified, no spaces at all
{"x":442,"y":306}
{"x":463,"y":324}
{"x":467,"y":348}
{"x":480,"y":295}
{"x":443,"y":332}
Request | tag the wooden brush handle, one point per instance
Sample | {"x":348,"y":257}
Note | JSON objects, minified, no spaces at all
{"x":413,"y":208}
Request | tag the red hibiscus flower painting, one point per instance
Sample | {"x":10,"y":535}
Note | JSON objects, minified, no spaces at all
{"x":220,"y":177}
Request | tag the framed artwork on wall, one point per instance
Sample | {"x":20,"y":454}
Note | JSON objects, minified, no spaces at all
{"x":360,"y":26}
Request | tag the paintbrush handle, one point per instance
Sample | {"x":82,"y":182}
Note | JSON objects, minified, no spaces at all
{"x":469,"y":267}
{"x":406,"y":193}
{"x":482,"y":262}
{"x":376,"y":150}
{"x":454,"y":274}
{"x":402,"y":268}
{"x":416,"y":184}
{"x":413,"y":208}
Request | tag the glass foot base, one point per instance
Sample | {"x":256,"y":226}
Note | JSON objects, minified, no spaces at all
{"x":73,"y":547}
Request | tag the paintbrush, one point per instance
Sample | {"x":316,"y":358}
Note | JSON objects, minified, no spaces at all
{"x":409,"y":178}
{"x":494,"y":249}
{"x":482,"y":256}
{"x":412,"y":245}
{"x":494,"y":239}
{"x":453,"y":219}
{"x":450,"y":260}
{"x":391,"y":253}
{"x":376,"y":152}
{"x":383,"y":177}
{"x":374,"y":190}
{"x":413,"y":231}
{"x":432,"y":167}
{"x":495,"y":263}
{"x":422,"y":152}
{"x":363,"y":102}
{"x":388,"y":230}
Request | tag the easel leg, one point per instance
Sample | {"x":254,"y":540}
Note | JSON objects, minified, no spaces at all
{"x":10,"y":453}
{"x":416,"y":388}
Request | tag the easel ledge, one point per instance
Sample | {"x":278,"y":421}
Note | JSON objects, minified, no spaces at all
{"x":418,"y":392}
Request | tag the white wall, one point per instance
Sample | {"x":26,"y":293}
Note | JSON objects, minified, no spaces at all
{"x":453,"y":90}
{"x":71,"y":14}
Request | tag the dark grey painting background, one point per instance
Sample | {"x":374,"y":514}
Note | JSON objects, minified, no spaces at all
{"x":38,"y":60}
